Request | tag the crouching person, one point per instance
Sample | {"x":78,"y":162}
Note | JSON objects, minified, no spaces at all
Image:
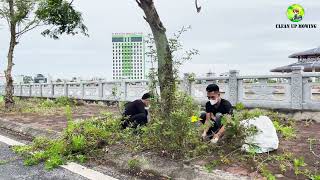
{"x":136,"y":112}
{"x":216,"y":107}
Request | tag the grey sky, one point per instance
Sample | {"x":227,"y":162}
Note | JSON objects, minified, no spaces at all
{"x":229,"y":35}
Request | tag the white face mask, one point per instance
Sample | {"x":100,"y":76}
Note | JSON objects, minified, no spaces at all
{"x":147,"y":108}
{"x":213,"y":102}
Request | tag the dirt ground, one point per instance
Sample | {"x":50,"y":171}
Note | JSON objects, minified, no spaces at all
{"x":299,"y":147}
{"x":58,"y":120}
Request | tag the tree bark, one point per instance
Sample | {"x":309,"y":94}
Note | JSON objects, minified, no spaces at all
{"x":9,"y":102}
{"x":165,"y":62}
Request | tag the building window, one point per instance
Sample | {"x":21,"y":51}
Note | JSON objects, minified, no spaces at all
{"x":117,"y":39}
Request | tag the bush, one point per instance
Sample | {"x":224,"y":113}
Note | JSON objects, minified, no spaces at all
{"x":47,"y":104}
{"x":134,"y":164}
{"x":176,"y":136}
{"x":235,"y":131}
{"x":65,"y":101}
{"x":77,"y":142}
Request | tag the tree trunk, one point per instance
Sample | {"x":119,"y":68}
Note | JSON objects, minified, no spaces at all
{"x":165,"y":62}
{"x":9,"y":102}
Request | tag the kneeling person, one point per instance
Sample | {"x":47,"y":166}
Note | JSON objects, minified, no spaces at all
{"x":215,"y":108}
{"x":136,"y":113}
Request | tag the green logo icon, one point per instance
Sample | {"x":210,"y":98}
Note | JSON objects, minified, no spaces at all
{"x":295,"y":13}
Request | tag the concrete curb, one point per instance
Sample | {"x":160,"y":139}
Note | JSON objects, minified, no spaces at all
{"x":27,"y":130}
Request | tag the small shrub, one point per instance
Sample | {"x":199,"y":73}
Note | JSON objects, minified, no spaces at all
{"x":134,"y":164}
{"x":210,"y":166}
{"x":54,"y":161}
{"x":65,"y":101}
{"x":175,"y":136}
{"x":267,"y":173}
{"x":78,"y":143}
{"x":68,"y":112}
{"x":47,"y":104}
{"x":287,"y":132}
{"x":35,"y":158}
{"x":284,"y":160}
{"x":80,"y":158}
{"x":315,"y":177}
{"x":235,"y":131}
{"x":297,"y":164}
{"x":22,"y":150}
{"x":239,"y":106}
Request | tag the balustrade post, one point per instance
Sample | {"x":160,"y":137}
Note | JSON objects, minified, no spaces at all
{"x":233,"y":86}
{"x":296,"y":88}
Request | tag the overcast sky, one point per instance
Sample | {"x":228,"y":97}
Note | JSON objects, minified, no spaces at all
{"x":229,"y":34}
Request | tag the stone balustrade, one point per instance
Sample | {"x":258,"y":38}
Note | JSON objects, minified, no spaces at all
{"x":294,"y":91}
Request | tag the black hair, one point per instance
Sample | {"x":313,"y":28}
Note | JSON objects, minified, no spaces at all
{"x":212,"y":88}
{"x":146,"y":96}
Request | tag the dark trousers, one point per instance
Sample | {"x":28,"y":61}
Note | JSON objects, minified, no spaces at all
{"x":216,"y":124}
{"x":135,"y":121}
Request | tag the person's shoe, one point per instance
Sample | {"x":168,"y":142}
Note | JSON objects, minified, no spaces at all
{"x":214,"y":140}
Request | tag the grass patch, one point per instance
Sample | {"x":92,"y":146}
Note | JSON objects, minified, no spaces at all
{"x":134,"y":164}
{"x":79,"y":140}
{"x":41,"y":106}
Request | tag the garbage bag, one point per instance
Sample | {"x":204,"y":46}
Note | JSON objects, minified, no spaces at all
{"x":265,"y":140}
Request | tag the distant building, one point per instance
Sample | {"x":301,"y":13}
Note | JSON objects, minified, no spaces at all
{"x":128,"y":51}
{"x":98,"y":79}
{"x":309,"y":60}
{"x":225,"y":74}
{"x":76,"y":79}
{"x":210,"y":74}
{"x":18,"y":79}
{"x":40,"y":78}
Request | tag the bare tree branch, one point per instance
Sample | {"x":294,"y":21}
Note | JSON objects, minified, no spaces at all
{"x":32,"y":25}
{"x":139,"y":3}
{"x":71,"y":3}
{"x":197,"y":6}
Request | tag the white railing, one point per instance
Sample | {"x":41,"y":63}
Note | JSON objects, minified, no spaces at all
{"x":294,"y":91}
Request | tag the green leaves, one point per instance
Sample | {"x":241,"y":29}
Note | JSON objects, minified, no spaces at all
{"x":213,"y":164}
{"x":288,"y":132}
{"x":53,"y":162}
{"x":23,"y":9}
{"x":297,"y":164}
{"x":62,"y":16}
{"x":78,"y":142}
{"x":134,"y":163}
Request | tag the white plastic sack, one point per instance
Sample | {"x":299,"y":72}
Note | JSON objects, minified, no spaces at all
{"x":266,"y":139}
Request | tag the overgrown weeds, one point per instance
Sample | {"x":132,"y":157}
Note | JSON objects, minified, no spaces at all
{"x":79,"y":140}
{"x":41,"y":106}
{"x":177,"y":137}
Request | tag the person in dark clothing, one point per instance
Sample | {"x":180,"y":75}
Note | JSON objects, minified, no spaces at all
{"x":216,"y":107}
{"x":136,"y":113}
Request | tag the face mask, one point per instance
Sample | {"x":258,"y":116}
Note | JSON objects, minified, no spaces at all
{"x":147,"y":108}
{"x":213,"y":102}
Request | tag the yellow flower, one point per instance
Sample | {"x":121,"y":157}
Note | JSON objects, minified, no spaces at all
{"x":195,"y":118}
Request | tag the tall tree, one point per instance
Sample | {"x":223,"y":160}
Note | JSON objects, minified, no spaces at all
{"x":22,"y":16}
{"x":164,"y":54}
{"x":165,"y":63}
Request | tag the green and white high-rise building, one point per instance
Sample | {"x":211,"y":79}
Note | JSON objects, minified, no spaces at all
{"x":128,"y":56}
